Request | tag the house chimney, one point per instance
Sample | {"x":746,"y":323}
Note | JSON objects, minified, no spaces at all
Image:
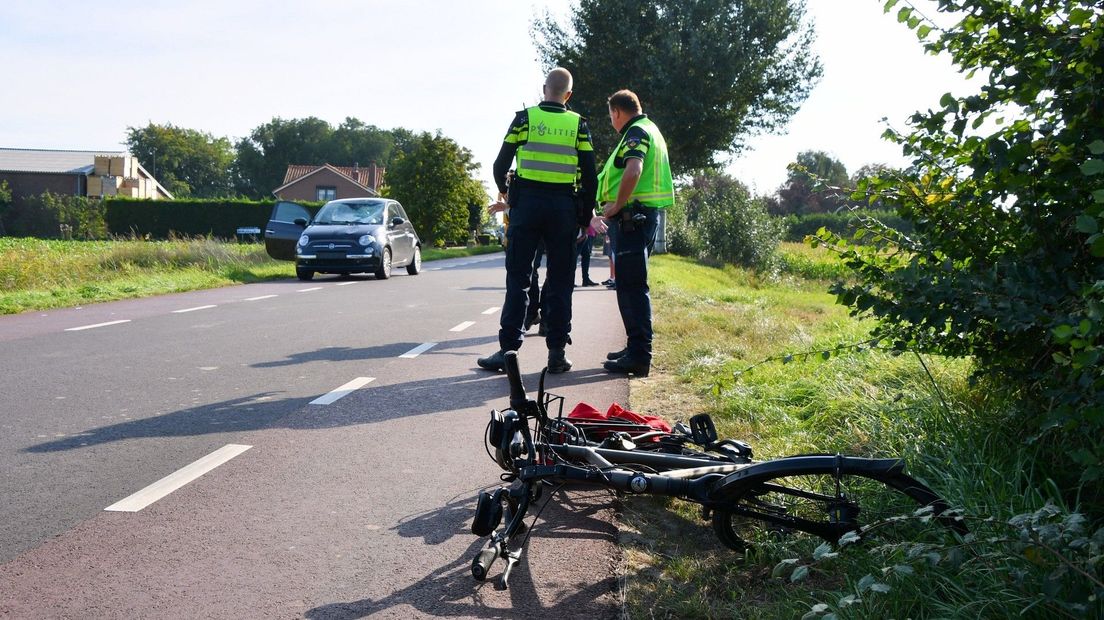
{"x":373,"y":176}
{"x":356,"y":172}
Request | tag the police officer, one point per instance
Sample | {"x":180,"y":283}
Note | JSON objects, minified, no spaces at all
{"x":551,"y":145}
{"x":633,"y":186}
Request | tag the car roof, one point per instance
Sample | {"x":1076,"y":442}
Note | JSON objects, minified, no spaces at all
{"x":360,"y":200}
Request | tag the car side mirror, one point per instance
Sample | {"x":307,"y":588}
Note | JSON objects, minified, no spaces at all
{"x":300,"y":222}
{"x":395,"y":221}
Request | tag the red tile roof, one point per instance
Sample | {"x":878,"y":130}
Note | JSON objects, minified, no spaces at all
{"x":370,"y":176}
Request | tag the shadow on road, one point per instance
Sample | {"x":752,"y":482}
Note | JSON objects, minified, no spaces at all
{"x":566,"y":518}
{"x":352,"y":354}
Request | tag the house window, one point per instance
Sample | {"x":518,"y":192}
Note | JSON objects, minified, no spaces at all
{"x":325,"y":193}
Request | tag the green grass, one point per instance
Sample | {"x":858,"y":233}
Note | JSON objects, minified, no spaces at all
{"x":38,"y":274}
{"x":712,"y":325}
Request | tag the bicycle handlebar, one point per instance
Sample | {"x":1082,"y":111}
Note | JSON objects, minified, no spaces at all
{"x":518,"y":397}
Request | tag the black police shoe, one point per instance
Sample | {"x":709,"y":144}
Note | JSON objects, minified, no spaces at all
{"x":493,"y":362}
{"x":542,"y":329}
{"x":612,"y":355}
{"x":558,"y":362}
{"x":627,"y":366}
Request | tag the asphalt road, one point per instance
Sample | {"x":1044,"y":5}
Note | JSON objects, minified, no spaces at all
{"x":325,"y":441}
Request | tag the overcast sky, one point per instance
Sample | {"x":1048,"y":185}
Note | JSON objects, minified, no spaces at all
{"x":77,"y":74}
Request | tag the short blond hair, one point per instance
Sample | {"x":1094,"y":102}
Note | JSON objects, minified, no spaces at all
{"x":558,"y":83}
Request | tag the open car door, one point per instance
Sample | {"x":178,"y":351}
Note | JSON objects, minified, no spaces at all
{"x":281,"y":232}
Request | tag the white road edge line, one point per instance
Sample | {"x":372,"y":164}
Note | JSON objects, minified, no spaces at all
{"x":259,"y":298}
{"x":77,"y":329}
{"x":177,"y":479}
{"x":461,"y":327}
{"x":418,"y":350}
{"x":343,"y":391}
{"x":307,"y":290}
{"x":193,"y":309}
{"x":492,"y":310}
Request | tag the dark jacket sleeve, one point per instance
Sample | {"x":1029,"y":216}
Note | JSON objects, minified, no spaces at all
{"x":502,"y":165}
{"x":588,"y":189}
{"x":509,"y":148}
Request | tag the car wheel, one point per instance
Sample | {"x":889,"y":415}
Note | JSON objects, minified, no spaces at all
{"x":304,"y":274}
{"x":415,"y":265}
{"x":384,"y":271}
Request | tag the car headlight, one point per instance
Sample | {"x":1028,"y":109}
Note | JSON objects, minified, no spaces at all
{"x":366,"y":240}
{"x":303,"y":241}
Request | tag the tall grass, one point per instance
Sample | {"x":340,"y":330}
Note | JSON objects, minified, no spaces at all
{"x":712,"y":325}
{"x":39,"y":274}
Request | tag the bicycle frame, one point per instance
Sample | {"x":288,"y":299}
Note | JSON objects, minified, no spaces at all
{"x":710,"y":482}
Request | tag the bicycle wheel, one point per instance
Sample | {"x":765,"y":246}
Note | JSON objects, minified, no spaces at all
{"x":828,"y":504}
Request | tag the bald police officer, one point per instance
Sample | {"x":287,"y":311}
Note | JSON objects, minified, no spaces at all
{"x":551,"y":146}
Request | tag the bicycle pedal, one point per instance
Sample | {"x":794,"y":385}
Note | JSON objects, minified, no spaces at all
{"x":702,"y":429}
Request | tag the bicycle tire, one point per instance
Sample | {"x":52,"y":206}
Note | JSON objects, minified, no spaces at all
{"x":828,"y":502}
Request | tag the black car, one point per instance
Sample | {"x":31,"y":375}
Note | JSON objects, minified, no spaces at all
{"x":351,"y":235}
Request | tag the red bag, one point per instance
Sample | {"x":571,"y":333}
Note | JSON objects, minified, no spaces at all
{"x":584,"y":411}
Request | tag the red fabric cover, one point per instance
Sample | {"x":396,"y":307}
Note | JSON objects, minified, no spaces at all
{"x":584,"y":411}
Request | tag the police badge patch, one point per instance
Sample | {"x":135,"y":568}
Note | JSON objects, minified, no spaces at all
{"x":632,"y":143}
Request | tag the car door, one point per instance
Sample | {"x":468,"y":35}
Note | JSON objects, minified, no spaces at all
{"x":403,"y":233}
{"x":281,"y":232}
{"x":396,"y":235}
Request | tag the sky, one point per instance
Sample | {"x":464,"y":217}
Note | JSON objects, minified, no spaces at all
{"x":77,"y":75}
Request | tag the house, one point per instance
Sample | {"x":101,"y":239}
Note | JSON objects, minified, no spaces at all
{"x":30,"y":172}
{"x":328,"y":182}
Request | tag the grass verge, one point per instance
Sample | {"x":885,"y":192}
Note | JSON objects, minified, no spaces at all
{"x":711,"y":326}
{"x":40,"y":274}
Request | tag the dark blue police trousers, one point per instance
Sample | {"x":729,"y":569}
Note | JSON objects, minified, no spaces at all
{"x":546,"y":215}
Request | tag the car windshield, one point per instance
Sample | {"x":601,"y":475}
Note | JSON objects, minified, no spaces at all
{"x":351,"y":213}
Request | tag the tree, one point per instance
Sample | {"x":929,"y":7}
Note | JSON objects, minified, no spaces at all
{"x":711,"y":73}
{"x":716,"y":218}
{"x":264,"y":156}
{"x":188,"y":162}
{"x":434,"y":180}
{"x":816,"y":183}
{"x":1006,"y":190}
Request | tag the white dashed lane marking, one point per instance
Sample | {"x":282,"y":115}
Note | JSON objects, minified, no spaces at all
{"x":491,"y":310}
{"x":461,"y":327}
{"x":307,"y":290}
{"x":193,"y":309}
{"x":177,"y":479}
{"x":259,"y":298}
{"x":418,"y":350}
{"x":345,"y":283}
{"x":343,"y":391}
{"x":77,"y":329}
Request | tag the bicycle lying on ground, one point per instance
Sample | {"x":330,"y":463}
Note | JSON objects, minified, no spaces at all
{"x":826,"y":495}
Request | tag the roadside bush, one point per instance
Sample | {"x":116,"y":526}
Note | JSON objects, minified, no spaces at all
{"x":682,"y":239}
{"x":843,"y":223}
{"x":167,"y":219}
{"x":726,"y":224}
{"x":58,"y":216}
{"x":1007,"y":194}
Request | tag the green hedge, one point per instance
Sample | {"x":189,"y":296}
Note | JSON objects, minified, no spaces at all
{"x":161,"y":219}
{"x":842,"y":223}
